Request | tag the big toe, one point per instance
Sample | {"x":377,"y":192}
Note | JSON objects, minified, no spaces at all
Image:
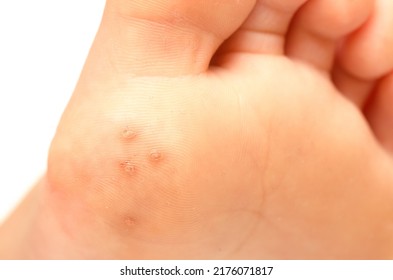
{"x":172,"y":37}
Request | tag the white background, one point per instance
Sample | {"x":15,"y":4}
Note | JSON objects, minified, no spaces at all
{"x":43,"y":45}
{"x":282,"y":270}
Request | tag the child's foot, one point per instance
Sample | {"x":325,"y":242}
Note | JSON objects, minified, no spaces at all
{"x":216,"y":129}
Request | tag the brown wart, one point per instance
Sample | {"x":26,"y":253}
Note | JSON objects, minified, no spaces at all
{"x":155,"y":155}
{"x":128,"y":224}
{"x":128,"y":133}
{"x":129,"y":221}
{"x":128,"y":167}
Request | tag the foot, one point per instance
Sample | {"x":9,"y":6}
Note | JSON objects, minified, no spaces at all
{"x":223,"y":130}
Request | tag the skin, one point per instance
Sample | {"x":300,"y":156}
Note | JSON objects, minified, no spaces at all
{"x":245,"y":135}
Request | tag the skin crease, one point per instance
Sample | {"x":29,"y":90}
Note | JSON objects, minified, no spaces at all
{"x":254,"y":156}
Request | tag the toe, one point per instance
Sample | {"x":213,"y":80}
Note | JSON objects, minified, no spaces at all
{"x":366,"y":56}
{"x":318,"y":27}
{"x":372,"y":43}
{"x":355,"y":89}
{"x":264,"y":30}
{"x":379,"y":112}
{"x":169,"y":37}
